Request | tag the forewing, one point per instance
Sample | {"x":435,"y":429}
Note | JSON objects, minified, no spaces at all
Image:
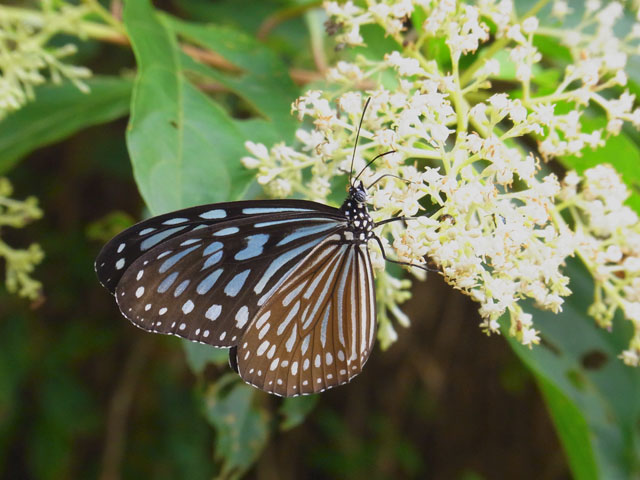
{"x":207,"y":284}
{"x":317,"y":331}
{"x":126,"y":247}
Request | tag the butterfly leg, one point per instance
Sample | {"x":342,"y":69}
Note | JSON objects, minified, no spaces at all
{"x":395,"y":219}
{"x":384,"y":255}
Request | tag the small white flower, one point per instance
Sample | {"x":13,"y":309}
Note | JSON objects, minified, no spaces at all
{"x":404,"y":66}
{"x":257,"y":149}
{"x":560,"y":9}
{"x":490,"y":68}
{"x":530,"y":25}
{"x":631,"y":357}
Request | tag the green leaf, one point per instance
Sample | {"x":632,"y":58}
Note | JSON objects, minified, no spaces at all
{"x":58,"y":112}
{"x":573,"y":430}
{"x":200,"y":355}
{"x":296,"y":409}
{"x":184,"y":147}
{"x":550,"y":47}
{"x":264,"y":82}
{"x":242,"y":427}
{"x":508,"y":67}
{"x":620,"y":151}
{"x":592,"y":395}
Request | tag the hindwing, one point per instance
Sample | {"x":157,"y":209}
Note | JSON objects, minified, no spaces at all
{"x":317,"y":330}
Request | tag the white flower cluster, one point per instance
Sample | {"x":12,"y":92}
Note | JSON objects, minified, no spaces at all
{"x":27,"y":59}
{"x":19,"y":263}
{"x":503,"y":226}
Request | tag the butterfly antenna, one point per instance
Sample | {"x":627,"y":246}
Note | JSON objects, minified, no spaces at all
{"x":353,"y":157}
{"x":371,"y":161}
{"x":389,"y":175}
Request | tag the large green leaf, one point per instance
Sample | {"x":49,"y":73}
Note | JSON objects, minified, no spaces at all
{"x":264,"y":82}
{"x":242,"y":427}
{"x":200,"y":355}
{"x":572,"y":428}
{"x":58,"y":112}
{"x":184,"y":147}
{"x":296,"y":409}
{"x":593,"y":397}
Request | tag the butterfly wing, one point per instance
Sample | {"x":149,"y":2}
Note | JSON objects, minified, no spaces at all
{"x":208,"y":283}
{"x":125,"y":248}
{"x":317,"y":330}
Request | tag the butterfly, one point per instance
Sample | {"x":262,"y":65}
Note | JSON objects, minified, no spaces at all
{"x":286,"y":285}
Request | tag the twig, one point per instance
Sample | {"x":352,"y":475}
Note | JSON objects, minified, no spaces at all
{"x":210,"y":58}
{"x":116,"y":9}
{"x":272,"y":21}
{"x":119,"y":408}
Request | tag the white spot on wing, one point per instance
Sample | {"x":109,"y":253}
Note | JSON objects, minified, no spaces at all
{"x":292,"y":338}
{"x":255,"y":247}
{"x":257,"y":210}
{"x":213,"y":214}
{"x":187,"y":307}
{"x":191,"y":241}
{"x":171,"y":261}
{"x":167,"y":282}
{"x":236,"y":283}
{"x":158,"y":237}
{"x":226,"y":231}
{"x":264,"y":331}
{"x":305,"y":343}
{"x":213,"y":312}
{"x":293,"y":294}
{"x":175,"y":221}
{"x":242,"y":316}
{"x":205,"y":285}
{"x":263,"y":347}
{"x":292,"y":313}
{"x":263,"y":318}
{"x":181,"y":288}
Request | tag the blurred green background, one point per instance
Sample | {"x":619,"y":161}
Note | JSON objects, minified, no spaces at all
{"x":84,"y":394}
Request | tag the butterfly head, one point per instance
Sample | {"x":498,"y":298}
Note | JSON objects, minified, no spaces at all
{"x":358,"y":193}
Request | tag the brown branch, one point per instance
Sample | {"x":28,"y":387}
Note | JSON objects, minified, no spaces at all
{"x":213,"y":59}
{"x":302,"y":77}
{"x":210,"y":58}
{"x":116,"y":9}
{"x":281,"y":16}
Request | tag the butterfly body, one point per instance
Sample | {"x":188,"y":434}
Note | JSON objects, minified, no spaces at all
{"x":359,"y":222}
{"x":287,"y":285}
